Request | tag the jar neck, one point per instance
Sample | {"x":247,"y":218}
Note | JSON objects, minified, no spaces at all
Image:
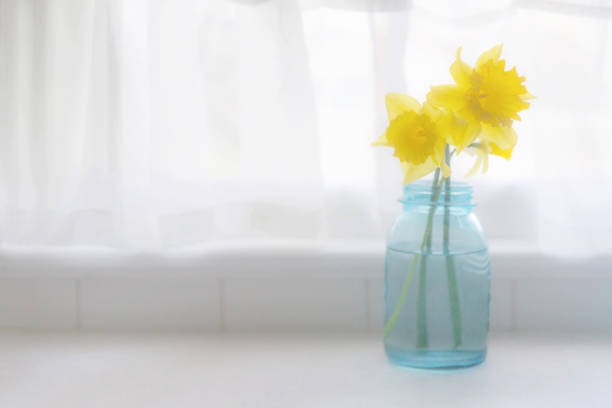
{"x":423,"y":193}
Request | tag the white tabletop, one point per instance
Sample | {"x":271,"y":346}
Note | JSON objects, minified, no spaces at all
{"x":102,"y":369}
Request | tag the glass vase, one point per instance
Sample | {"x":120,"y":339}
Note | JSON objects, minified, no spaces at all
{"x":436,"y":279}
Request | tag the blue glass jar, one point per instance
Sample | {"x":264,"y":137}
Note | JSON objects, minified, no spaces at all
{"x":436,"y":279}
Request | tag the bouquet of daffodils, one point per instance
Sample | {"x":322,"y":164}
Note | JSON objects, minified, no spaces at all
{"x":476,"y":115}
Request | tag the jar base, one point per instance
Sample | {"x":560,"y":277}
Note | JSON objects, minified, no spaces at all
{"x":436,"y":359}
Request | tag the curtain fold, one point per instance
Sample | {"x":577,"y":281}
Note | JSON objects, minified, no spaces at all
{"x":162,"y":124}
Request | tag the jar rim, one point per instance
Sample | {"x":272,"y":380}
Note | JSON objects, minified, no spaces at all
{"x":420,"y":193}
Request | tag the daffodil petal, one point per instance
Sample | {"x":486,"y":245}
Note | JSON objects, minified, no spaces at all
{"x":434,"y":113}
{"x":505,"y":153}
{"x":458,"y":132}
{"x":475,"y":167}
{"x":382,"y":140}
{"x":527,"y":96}
{"x":472,"y":132}
{"x":452,"y":129}
{"x":485,"y":163}
{"x":438,"y":153}
{"x":504,"y":137}
{"x":446,"y":171}
{"x":414,"y":172}
{"x":439,"y":158}
{"x":446,"y":96}
{"x":461,"y":71}
{"x":491,"y":54}
{"x":398,"y":104}
{"x":479,"y":158}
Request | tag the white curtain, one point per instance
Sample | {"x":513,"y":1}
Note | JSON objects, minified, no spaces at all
{"x":155,"y":124}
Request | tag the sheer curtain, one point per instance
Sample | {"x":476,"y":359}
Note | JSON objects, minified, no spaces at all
{"x":164,"y":124}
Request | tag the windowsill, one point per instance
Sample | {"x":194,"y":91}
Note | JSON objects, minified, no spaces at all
{"x":255,"y":286}
{"x":275,"y":258}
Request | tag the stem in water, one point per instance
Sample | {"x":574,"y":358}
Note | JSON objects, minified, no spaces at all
{"x":451,"y":275}
{"x":422,"y":336}
{"x":436,"y":187}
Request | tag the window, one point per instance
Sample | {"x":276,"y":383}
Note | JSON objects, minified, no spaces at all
{"x":157,"y":125}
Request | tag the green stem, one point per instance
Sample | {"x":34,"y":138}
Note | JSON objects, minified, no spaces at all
{"x":436,"y":186}
{"x":422,"y":336}
{"x":451,"y":276}
{"x":400,"y":302}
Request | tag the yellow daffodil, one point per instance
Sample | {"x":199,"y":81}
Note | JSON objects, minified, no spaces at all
{"x":487,"y":98}
{"x":475,"y":115}
{"x":418,"y":133}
